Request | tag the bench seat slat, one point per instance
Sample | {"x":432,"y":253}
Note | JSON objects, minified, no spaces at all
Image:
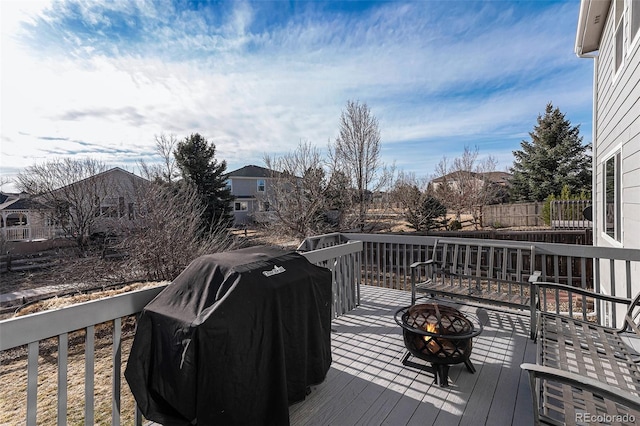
{"x":584,"y":368}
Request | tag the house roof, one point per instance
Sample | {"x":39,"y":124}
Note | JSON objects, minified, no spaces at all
{"x":4,"y":197}
{"x":499,"y":177}
{"x":22,"y":203}
{"x":252,"y":171}
{"x":591,"y":20}
{"x":106,"y":172}
{"x":495,"y":177}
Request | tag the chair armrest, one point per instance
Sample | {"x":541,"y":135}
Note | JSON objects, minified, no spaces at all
{"x":582,"y":291}
{"x":589,"y":384}
{"x":417,"y":264}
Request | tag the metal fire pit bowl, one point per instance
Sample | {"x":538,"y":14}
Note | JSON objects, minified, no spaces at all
{"x":439,"y":334}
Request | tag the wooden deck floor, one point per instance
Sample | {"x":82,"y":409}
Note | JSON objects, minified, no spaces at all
{"x":368,"y":384}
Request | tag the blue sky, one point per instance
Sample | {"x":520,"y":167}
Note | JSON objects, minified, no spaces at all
{"x":101,"y":79}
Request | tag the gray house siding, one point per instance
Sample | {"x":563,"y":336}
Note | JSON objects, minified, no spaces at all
{"x":618,"y":130}
{"x":245,"y":190}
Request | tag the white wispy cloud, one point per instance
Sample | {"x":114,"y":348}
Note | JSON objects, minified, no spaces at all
{"x":257,"y":78}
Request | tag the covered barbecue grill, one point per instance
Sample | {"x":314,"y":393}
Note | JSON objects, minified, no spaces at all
{"x":234,"y":339}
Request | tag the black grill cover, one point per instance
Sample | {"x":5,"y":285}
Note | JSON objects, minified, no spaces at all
{"x":234,"y":339}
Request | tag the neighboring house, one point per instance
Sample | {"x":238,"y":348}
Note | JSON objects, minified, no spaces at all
{"x":250,"y":187}
{"x":96,"y":203}
{"x":24,"y":219}
{"x":113,"y":195}
{"x":499,"y":180}
{"x":609,"y":32}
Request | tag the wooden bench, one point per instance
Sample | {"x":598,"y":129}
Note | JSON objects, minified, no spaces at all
{"x":585,"y":373}
{"x":478,"y":270}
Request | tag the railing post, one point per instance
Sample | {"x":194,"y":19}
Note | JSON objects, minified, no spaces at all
{"x":117,"y":368}
{"x":32,"y":383}
{"x":89,"y":372}
{"x":63,"y":349}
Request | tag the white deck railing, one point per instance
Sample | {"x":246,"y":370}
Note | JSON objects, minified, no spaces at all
{"x":374,"y":259}
{"x":386,"y":261}
{"x":568,"y":214}
{"x":30,"y":330}
{"x":29,"y":233}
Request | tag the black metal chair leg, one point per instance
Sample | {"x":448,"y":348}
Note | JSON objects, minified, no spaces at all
{"x":470,"y":367}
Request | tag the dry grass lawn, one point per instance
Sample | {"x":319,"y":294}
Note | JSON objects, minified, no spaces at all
{"x":13,"y":375}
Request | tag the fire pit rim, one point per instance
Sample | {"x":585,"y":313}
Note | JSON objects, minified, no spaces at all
{"x":473,"y":320}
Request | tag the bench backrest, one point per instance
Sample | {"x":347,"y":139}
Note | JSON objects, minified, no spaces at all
{"x":485,"y":259}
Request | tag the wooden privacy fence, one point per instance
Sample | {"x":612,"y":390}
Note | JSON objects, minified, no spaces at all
{"x":504,"y":215}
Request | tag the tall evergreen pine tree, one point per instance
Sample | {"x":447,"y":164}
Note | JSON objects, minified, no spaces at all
{"x":554,"y":157}
{"x":195,"y":158}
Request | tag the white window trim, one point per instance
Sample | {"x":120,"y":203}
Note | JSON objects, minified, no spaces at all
{"x":603,"y":231}
{"x":264,"y":185}
{"x":634,"y":40}
{"x":618,"y":71}
{"x":246,"y":204}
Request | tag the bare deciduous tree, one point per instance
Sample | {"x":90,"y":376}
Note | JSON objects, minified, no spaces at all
{"x":71,"y":193}
{"x":167,"y":171}
{"x":297,"y":191}
{"x":165,"y":235}
{"x":165,"y":145}
{"x":4,"y":180}
{"x":356,"y":153}
{"x":464,"y":186}
{"x":418,"y":206}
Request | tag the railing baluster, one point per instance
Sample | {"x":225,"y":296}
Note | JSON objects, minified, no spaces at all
{"x":378,"y":264}
{"x":117,"y":366}
{"x":628,"y":278}
{"x":612,"y":277}
{"x":358,"y":275}
{"x":89,"y":357}
{"x":385,"y":277}
{"x":569,"y":270}
{"x":396,"y":269}
{"x":63,"y":350}
{"x":32,"y":383}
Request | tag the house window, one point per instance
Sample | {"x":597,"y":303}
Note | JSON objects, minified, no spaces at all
{"x":240,"y":206}
{"x":109,"y":207}
{"x":261,"y":185}
{"x":264,"y":206}
{"x":619,"y":37}
{"x":228,"y":185}
{"x":635,"y":18}
{"x":612,"y":202}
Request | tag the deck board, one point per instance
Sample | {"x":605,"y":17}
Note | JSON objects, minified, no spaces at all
{"x":368,"y":385}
